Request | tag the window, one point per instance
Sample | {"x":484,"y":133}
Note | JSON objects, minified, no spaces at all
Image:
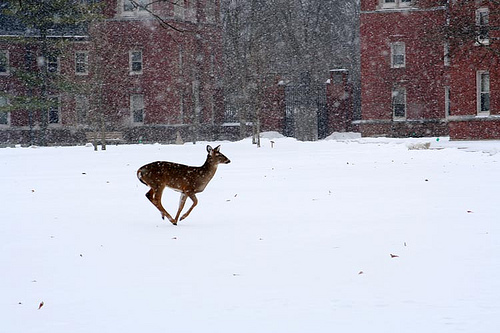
{"x":4,"y":62}
{"x":210,"y":11}
{"x":399,"y":103}
{"x":190,"y":6}
{"x":137,"y":108}
{"x":446,"y":55}
{"x":135,"y":7}
{"x":54,"y":111}
{"x":212,"y":65}
{"x":483,"y":26}
{"x":447,"y":103}
{"x":396,"y":3}
{"x":82,"y":63}
{"x":483,"y":92}
{"x":52,"y":64}
{"x":82,"y":107}
{"x":179,"y":10}
{"x":135,"y":59}
{"x":4,"y":115}
{"x":181,"y":61}
{"x":398,"y":55}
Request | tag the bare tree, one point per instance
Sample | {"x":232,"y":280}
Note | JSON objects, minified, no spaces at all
{"x":301,"y":40}
{"x":470,"y":24}
{"x":43,"y":17}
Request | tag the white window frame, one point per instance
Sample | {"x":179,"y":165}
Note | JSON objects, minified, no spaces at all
{"x":132,"y":61}
{"x":5,"y":101}
{"x":395,"y":92}
{"x":447,"y":101}
{"x":190,"y":12}
{"x":387,"y":4}
{"x":54,"y":109}
{"x":127,"y":9}
{"x":483,"y":90}
{"x":5,"y":54}
{"x":394,"y":46}
{"x":82,"y":108}
{"x":134,"y":107}
{"x":446,"y":54}
{"x":480,"y":40}
{"x":210,"y":11}
{"x":56,"y":64}
{"x":179,"y":9}
{"x":85,"y":62}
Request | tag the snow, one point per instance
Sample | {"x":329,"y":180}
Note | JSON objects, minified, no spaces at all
{"x":347,"y":234}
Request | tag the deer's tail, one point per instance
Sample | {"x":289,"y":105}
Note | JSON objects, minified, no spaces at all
{"x":139,"y":176}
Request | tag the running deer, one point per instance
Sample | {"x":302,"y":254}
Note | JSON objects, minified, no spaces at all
{"x":188,"y":180}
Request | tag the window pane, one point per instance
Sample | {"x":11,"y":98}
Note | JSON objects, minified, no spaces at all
{"x":447,"y":104}
{"x":483,"y":91}
{"x":482,"y":24}
{"x":54,"y":111}
{"x":398,"y":54}
{"x":143,"y":4}
{"x":81,"y":62}
{"x":52,"y":64}
{"x":82,"y":108}
{"x":4,"y":62}
{"x":485,"y":82}
{"x":136,"y":56}
{"x":399,"y":110}
{"x":137,"y":107}
{"x":138,"y":116}
{"x":136,"y":61}
{"x":485,"y":102}
{"x":127,"y":6}
{"x":4,"y":116}
{"x":136,"y":66}
{"x":179,"y":10}
{"x":53,"y":115}
{"x":399,"y":60}
{"x":399,"y":103}
{"x":398,"y":97}
{"x":483,"y":18}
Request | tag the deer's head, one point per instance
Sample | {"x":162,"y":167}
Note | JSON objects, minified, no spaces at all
{"x":216,"y":156}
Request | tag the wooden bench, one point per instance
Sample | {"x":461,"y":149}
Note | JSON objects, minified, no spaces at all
{"x":111,"y":137}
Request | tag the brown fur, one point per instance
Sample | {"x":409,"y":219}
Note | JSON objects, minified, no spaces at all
{"x":188,"y":180}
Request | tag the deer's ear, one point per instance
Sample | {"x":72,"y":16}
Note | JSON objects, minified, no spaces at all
{"x":209,"y":149}
{"x":217,"y":149}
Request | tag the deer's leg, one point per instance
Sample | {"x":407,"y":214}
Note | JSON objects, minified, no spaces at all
{"x":182,"y":201}
{"x":154,"y":195}
{"x":192,"y":196}
{"x":150,"y":195}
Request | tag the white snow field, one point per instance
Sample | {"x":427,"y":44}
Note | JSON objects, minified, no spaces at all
{"x":343,"y":235}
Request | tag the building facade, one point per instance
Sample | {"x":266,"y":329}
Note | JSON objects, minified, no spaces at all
{"x":421,"y":75}
{"x":148,"y":73}
{"x":474,"y":79}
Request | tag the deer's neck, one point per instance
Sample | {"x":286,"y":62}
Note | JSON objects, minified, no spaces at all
{"x":209,"y":165}
{"x":206,"y":173}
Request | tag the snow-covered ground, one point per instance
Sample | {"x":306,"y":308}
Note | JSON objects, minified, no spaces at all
{"x":344,"y":235}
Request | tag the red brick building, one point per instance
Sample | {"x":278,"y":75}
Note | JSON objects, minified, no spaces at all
{"x":143,"y":81}
{"x":474,"y":74}
{"x":420,"y":76}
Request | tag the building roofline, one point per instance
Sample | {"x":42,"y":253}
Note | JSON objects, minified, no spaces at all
{"x":402,"y":10}
{"x":48,"y":36}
